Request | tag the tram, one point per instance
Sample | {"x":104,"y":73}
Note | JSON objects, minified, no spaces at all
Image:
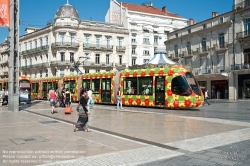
{"x":172,"y":87}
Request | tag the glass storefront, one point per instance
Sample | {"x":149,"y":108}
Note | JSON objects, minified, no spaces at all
{"x":244,"y":86}
{"x":219,"y":89}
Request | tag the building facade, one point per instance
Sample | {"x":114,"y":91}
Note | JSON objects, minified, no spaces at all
{"x":146,"y":24}
{"x":4,"y":47}
{"x":56,"y":49}
{"x":218,"y":50}
{"x":241,"y":67}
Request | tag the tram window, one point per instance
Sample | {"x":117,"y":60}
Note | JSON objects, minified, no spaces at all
{"x":35,"y":87}
{"x":70,"y":85}
{"x":95,"y":85}
{"x":130,"y":86}
{"x":180,"y":86}
{"x":145,"y":85}
{"x":193,"y":83}
{"x":86,"y":84}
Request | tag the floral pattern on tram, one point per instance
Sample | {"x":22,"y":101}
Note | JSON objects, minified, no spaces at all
{"x":101,"y":75}
{"x":171,"y":100}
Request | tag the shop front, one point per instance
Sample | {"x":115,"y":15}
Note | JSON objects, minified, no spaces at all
{"x":244,"y":86}
{"x":219,"y":89}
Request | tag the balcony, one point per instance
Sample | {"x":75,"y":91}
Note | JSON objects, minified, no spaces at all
{"x":87,"y":46}
{"x":240,"y":66}
{"x":203,"y":50}
{"x":133,"y":42}
{"x":222,"y":47}
{"x":134,"y":31}
{"x":145,"y":42}
{"x":65,"y":45}
{"x":120,"y":66}
{"x":35,"y":66}
{"x":4,"y":63}
{"x":120,"y":49}
{"x":241,"y":5}
{"x":188,"y":53}
{"x":59,"y":63}
{"x":35,"y":50}
{"x":244,"y":34}
{"x":134,"y":54}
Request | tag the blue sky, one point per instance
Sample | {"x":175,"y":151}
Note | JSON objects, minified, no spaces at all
{"x":36,"y":13}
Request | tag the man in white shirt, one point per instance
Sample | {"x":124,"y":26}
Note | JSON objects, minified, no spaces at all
{"x":206,"y":97}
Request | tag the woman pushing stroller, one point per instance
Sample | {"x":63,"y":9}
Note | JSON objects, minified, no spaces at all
{"x":83,"y":114}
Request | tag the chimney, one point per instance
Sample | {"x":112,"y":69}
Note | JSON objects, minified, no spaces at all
{"x":163,"y":9}
{"x":191,"y":21}
{"x":214,"y":14}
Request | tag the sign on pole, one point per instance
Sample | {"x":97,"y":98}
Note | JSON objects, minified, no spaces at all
{"x":5,"y":13}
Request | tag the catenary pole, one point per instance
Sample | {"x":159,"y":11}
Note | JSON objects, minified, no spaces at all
{"x":13,"y":74}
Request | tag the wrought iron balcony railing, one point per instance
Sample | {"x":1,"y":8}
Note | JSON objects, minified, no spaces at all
{"x":240,"y":66}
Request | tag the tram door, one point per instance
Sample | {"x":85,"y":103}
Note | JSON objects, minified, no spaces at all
{"x":106,"y":86}
{"x":159,"y":90}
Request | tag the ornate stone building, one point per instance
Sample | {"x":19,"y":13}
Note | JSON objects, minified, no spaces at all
{"x":146,"y":24}
{"x":52,"y":50}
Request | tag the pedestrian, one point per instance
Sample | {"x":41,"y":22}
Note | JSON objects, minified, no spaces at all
{"x":52,"y":99}
{"x":5,"y":102}
{"x":67,"y":98}
{"x":119,"y":99}
{"x":83,"y":114}
{"x":90,"y":96}
{"x":206,"y":97}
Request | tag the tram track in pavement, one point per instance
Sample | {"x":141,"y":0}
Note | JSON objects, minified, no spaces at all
{"x":115,"y":134}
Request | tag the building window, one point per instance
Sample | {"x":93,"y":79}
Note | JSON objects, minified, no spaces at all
{"x":47,"y":73}
{"x":61,"y":72}
{"x":145,"y":31}
{"x":47,"y":58}
{"x":221,"y":20}
{"x":246,"y":27}
{"x":204,"y":26}
{"x":71,"y":57}
{"x":86,"y":70}
{"x":41,"y":57}
{"x":156,"y":41}
{"x":133,"y":50}
{"x":188,"y":48}
{"x":25,"y":62}
{"x":120,"y":42}
{"x":97,"y":58}
{"x":145,"y":52}
{"x":72,"y":38}
{"x":120,"y":59}
{"x":47,"y":40}
{"x":176,"y":50}
{"x":221,"y":40}
{"x":30,"y":45}
{"x":145,"y":60}
{"x":35,"y":74}
{"x":25,"y":46}
{"x":166,"y":32}
{"x":62,"y":56}
{"x":107,"y":59}
{"x":35,"y":43}
{"x":188,"y":61}
{"x":41,"y":42}
{"x":87,"y":39}
{"x":204,"y":44}
{"x":71,"y":71}
{"x":30,"y":61}
{"x":133,"y":40}
{"x":41,"y":73}
{"x":108,"y":42}
{"x":97,"y":70}
{"x":133,"y":61}
{"x":176,"y":35}
{"x":221,"y":62}
{"x":189,"y":31}
{"x":62,"y":38}
{"x":146,"y":41}
{"x":97,"y":41}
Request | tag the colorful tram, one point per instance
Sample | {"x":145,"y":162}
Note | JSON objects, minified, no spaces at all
{"x":168,"y":87}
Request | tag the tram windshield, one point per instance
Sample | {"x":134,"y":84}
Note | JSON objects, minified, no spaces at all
{"x":193,"y":83}
{"x":180,"y":86}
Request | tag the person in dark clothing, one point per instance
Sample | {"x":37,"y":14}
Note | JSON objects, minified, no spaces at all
{"x":67,"y":97}
{"x":83,"y":114}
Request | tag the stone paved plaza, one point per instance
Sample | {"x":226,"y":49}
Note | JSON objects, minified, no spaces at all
{"x":211,"y":135}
